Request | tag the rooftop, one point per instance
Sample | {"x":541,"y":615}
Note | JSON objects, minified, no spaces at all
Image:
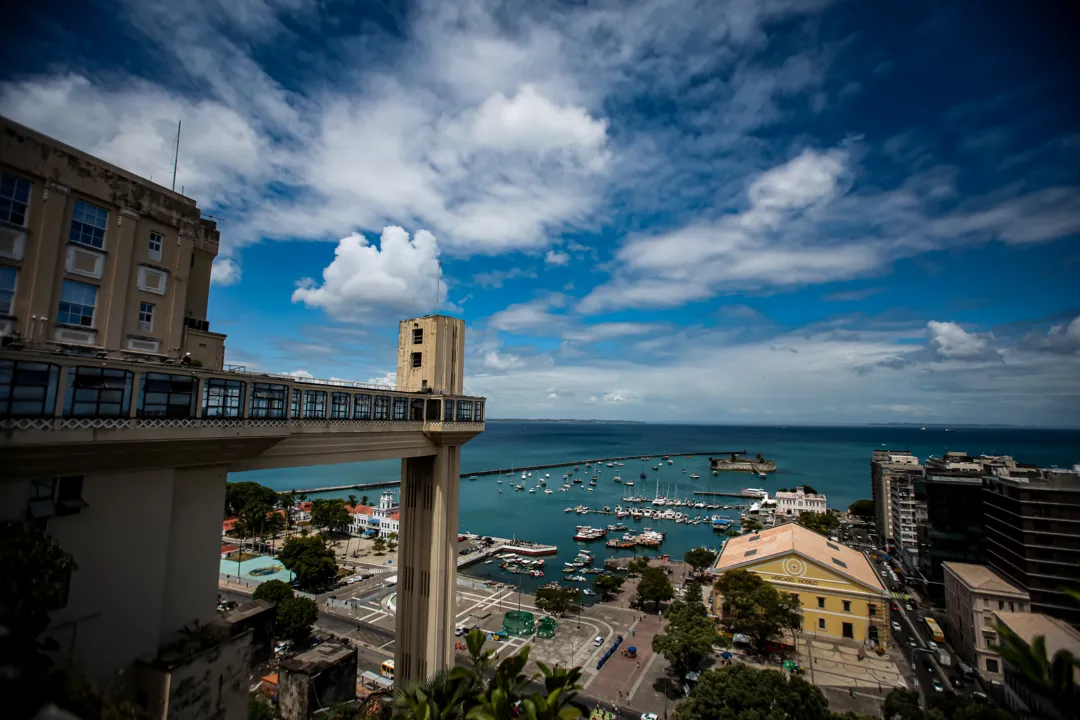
{"x":242,"y":612}
{"x":319,"y":657}
{"x":982,"y":578}
{"x":792,"y":537}
{"x":1058,"y":633}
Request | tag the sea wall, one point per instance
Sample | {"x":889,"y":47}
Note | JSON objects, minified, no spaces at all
{"x":725,"y":465}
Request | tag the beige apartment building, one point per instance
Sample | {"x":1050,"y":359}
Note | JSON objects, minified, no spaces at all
{"x":973,"y":594}
{"x":98,"y":260}
{"x":884,"y":465}
{"x":1029,"y":700}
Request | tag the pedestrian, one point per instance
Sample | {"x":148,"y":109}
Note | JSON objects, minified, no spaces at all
{"x":638,"y":664}
{"x":633,"y":632}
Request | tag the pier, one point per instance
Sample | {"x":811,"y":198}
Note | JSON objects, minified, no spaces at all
{"x":745,"y":496}
{"x":523,"y":468}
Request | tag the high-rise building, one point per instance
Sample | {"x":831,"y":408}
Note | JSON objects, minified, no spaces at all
{"x":883,"y":466}
{"x":120,"y":424}
{"x":908,"y":513}
{"x":1032,"y":518}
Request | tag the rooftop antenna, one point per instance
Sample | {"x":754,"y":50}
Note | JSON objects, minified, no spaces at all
{"x":176,"y":155}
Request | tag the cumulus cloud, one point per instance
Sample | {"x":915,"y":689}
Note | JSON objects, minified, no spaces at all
{"x":531,"y":315}
{"x":401,"y":275}
{"x":224,"y":271}
{"x":300,"y":374}
{"x":495,"y":360}
{"x":1063,"y":338}
{"x":620,"y":396}
{"x":556,"y":257}
{"x":385,"y":380}
{"x":949,"y":341}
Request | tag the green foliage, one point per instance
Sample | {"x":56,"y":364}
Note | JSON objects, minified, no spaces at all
{"x":949,"y":706}
{"x":275,"y":591}
{"x":379,"y":546}
{"x":607,"y":586}
{"x":240,"y":494}
{"x":754,"y":607}
{"x":253,"y":519}
{"x":821,"y":523}
{"x":654,"y":586}
{"x":557,"y":601}
{"x":1053,"y":677}
{"x":863,"y":509}
{"x":689,"y":635}
{"x":735,"y":692}
{"x":808,"y":489}
{"x":295,"y":618}
{"x":751,"y":524}
{"x":636,"y":565}
{"x":902,"y":705}
{"x":258,"y":708}
{"x":35,"y":572}
{"x":699,"y":559}
{"x":310,"y":560}
{"x":733,"y":533}
{"x":330,"y":514}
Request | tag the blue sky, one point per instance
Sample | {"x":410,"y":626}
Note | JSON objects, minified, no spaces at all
{"x":785,"y":211}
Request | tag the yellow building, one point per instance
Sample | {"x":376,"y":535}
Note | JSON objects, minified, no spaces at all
{"x":839,"y":592}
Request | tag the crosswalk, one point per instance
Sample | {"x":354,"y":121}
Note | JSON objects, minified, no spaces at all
{"x":897,"y":595}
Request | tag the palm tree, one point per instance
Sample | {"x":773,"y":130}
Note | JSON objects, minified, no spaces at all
{"x":352,"y":500}
{"x":363,"y":500}
{"x":1052,"y":677}
{"x":287,"y":501}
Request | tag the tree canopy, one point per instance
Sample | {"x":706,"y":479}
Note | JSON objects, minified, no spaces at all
{"x":822,"y":523}
{"x":654,"y":586}
{"x":635,"y":566}
{"x":310,"y":560}
{"x":557,"y":601}
{"x":699,"y":559}
{"x":295,"y":618}
{"x":751,"y":524}
{"x":863,"y":509}
{"x":240,"y":494}
{"x":689,"y":635}
{"x":330,"y":514}
{"x":274,"y":591}
{"x":754,"y":607}
{"x":738,"y":692}
{"x":607,"y":586}
{"x":902,"y":705}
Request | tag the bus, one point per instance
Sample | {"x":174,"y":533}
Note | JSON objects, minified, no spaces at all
{"x":387,"y":669}
{"x":935,"y":630}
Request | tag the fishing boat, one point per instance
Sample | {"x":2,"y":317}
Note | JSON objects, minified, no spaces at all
{"x":670,"y":462}
{"x":655,"y":467}
{"x":577,"y":481}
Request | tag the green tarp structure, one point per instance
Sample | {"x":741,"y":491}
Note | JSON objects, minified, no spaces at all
{"x":518,"y":623}
{"x":790,"y":665}
{"x":545,"y":627}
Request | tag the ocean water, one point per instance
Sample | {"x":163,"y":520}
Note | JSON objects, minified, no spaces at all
{"x":834,"y":460}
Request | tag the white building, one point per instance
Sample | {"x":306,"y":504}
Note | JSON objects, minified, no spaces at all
{"x":794,"y":504}
{"x":384,"y":519}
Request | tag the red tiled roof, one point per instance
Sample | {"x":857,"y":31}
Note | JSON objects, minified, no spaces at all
{"x":305,"y":506}
{"x":229,"y":548}
{"x":227,"y":524}
{"x":360,"y":509}
{"x":394,"y":516}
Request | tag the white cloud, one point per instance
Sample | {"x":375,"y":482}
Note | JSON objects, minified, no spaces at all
{"x":530,"y":315}
{"x":556,"y":258}
{"x":224,"y":271}
{"x":300,"y":374}
{"x":401,"y":275}
{"x":387,"y":380}
{"x":949,"y":341}
{"x":495,"y":360}
{"x":620,"y":396}
{"x":608,"y":331}
{"x":1063,"y":338}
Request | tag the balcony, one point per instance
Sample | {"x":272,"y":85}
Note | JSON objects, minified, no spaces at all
{"x":123,"y":414}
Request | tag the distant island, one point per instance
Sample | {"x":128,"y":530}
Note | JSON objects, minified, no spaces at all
{"x":565,"y":420}
{"x":756,"y":464}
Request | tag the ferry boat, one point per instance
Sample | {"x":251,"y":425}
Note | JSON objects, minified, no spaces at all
{"x":720,"y":523}
{"x":586,"y":533}
{"x":754,"y":492}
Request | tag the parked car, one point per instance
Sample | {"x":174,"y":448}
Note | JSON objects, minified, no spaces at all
{"x":937,"y":685}
{"x":911,"y":607}
{"x":929,"y":668}
{"x":461,"y":630}
{"x":980,"y":696}
{"x":932,"y":645}
{"x":649,"y":716}
{"x":896,"y":626}
{"x":598,"y":641}
{"x":911,"y":643}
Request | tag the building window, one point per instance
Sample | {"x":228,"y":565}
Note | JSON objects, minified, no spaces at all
{"x":153,"y":281}
{"x":821,"y":623}
{"x":98,"y":392}
{"x":433,"y":411}
{"x":294,"y":405}
{"x":448,"y":414}
{"x":464,"y":410}
{"x":417,"y":359}
{"x":986,"y":603}
{"x":88,"y":224}
{"x":223,"y":398}
{"x":14,"y":197}
{"x":991,"y":665}
{"x":28,"y":389}
{"x":51,"y":497}
{"x":268,"y":400}
{"x":7,"y":289}
{"x":401,"y":408}
{"x":478,"y":411}
{"x":362,"y":407}
{"x":847,"y":606}
{"x":153,"y":245}
{"x":418,"y":336}
{"x":848,"y":630}
{"x":873,"y":609}
{"x":165,"y":395}
{"x":821,"y":602}
{"x":382,"y":407}
{"x":77,"y":303}
{"x":1001,"y":604}
{"x":314,"y":403}
{"x":339,"y":406}
{"x":146,"y":317}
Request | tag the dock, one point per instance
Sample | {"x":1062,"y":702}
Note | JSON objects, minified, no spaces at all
{"x":745,"y":496}
{"x":524,"y":468}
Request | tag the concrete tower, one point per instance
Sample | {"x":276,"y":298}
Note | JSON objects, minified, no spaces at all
{"x":431,"y":359}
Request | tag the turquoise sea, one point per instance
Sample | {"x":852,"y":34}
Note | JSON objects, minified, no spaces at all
{"x":834,"y":460}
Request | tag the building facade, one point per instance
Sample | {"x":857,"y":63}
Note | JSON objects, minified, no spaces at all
{"x":1032,"y":518}
{"x":97,"y":260}
{"x":839,"y":593}
{"x":908,"y":514}
{"x":973,"y":593}
{"x":381,"y":521}
{"x":1024,"y":698}
{"x":792,"y":504}
{"x":883,"y":466}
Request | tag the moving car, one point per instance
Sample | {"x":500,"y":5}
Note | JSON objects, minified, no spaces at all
{"x":911,"y":642}
{"x":932,"y":645}
{"x":937,"y":685}
{"x":598,"y":641}
{"x":895,"y":626}
{"x":649,"y":716}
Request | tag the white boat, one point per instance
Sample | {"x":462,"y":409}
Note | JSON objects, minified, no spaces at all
{"x":473,"y":477}
{"x":694,"y":476}
{"x":548,"y":491}
{"x":532,"y":490}
{"x":547,"y":475}
{"x":500,"y":481}
{"x":487,"y":562}
{"x":523,"y":476}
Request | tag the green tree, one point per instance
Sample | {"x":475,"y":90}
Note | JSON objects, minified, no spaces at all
{"x":689,"y":635}
{"x":353,"y":501}
{"x":1053,"y":677}
{"x":275,"y":591}
{"x":735,"y":692}
{"x":363,"y":499}
{"x":902,"y":705}
{"x":287,"y":502}
{"x":822,"y":523}
{"x":808,"y":489}
{"x":863,"y":509}
{"x":275,"y":523}
{"x":751,"y":524}
{"x":755,"y":608}
{"x":239,"y":494}
{"x":607,"y":586}
{"x":635,"y":566}
{"x":733,"y":533}
{"x":310,"y":560}
{"x":258,"y":708}
{"x":295,"y":618}
{"x":330,"y":514}
{"x":654,"y":586}
{"x":699,"y":559}
{"x":379,"y":546}
{"x":557,"y":601}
